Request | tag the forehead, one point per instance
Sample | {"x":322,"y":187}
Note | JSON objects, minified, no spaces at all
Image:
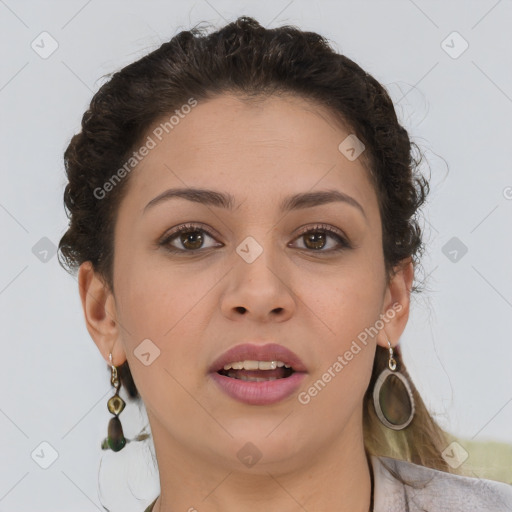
{"x":228,"y":122}
{"x":278,"y":144}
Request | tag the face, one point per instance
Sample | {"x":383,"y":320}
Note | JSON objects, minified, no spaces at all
{"x":252,"y":273}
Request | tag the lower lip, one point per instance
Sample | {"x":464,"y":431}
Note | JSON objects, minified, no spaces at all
{"x":259,"y":393}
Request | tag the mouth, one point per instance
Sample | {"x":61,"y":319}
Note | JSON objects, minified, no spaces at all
{"x":258,"y":374}
{"x":250,"y":362}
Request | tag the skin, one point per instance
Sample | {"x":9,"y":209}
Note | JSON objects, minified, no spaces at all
{"x":195,"y":307}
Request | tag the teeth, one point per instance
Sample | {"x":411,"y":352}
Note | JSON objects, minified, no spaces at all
{"x":251,"y":379}
{"x":255,"y":365}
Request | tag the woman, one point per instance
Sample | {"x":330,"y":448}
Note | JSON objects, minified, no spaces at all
{"x":242,"y":218}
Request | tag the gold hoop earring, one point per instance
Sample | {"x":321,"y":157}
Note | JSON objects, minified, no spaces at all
{"x":393,"y":400}
{"x":115,"y":439}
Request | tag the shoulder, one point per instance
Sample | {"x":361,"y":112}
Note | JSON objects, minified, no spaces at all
{"x":431,"y":490}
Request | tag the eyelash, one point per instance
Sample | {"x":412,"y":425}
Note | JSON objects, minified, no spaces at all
{"x":319,"y":228}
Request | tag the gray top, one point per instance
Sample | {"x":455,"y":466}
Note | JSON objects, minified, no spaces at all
{"x":432,"y":490}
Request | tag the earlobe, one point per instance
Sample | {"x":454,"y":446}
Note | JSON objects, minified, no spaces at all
{"x":98,"y":306}
{"x":395,"y":311}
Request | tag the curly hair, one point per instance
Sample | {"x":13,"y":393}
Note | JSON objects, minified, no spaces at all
{"x":253,"y":62}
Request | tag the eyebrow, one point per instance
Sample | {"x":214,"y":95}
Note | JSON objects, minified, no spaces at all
{"x":227,"y":201}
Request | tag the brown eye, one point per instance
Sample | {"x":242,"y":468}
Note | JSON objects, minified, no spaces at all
{"x":317,"y":238}
{"x":191,"y":239}
{"x":188,"y":238}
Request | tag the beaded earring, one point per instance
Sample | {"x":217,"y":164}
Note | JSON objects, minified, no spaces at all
{"x":115,"y":439}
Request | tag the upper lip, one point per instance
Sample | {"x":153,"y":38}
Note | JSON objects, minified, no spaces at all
{"x":252,"y":352}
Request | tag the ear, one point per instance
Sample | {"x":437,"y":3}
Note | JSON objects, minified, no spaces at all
{"x":395,"y":312}
{"x":99,"y":308}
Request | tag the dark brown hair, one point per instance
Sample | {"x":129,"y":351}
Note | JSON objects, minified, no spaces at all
{"x":253,"y":62}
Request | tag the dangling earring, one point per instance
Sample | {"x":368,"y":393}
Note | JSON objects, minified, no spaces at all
{"x":393,"y":401}
{"x":115,"y":439}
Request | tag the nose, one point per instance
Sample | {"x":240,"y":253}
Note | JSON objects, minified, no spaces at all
{"x":259,"y":288}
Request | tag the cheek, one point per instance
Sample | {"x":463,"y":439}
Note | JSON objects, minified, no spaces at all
{"x":165,"y":304}
{"x":147,"y":293}
{"x":345,"y":308}
{"x":348,"y":298}
{"x":346,"y":348}
{"x":164,"y":308}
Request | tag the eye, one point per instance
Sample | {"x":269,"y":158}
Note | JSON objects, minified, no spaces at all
{"x":316,"y":238}
{"x":191,"y":237}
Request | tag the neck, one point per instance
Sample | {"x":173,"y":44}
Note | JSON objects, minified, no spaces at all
{"x":336,"y":478}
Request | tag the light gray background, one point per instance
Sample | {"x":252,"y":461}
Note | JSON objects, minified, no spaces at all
{"x":457,"y":344}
